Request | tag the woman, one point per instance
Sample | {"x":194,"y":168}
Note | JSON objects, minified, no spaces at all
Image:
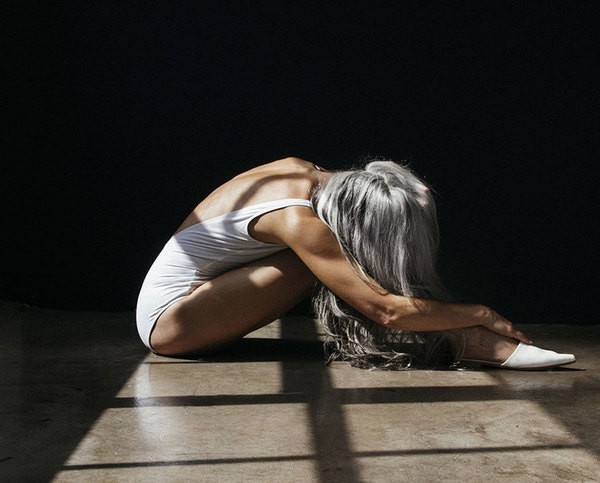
{"x":367,"y":238}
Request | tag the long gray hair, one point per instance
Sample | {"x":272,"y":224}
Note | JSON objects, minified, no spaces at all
{"x":384,"y":218}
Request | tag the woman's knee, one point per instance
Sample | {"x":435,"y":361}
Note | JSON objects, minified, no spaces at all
{"x":170,"y":335}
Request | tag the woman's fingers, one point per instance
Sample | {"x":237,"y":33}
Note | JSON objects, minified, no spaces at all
{"x":520,"y":336}
{"x":500,"y":325}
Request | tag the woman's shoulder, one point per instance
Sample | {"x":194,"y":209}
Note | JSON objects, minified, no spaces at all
{"x":292,"y":163}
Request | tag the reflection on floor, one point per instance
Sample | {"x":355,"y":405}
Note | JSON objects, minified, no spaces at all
{"x":83,"y":400}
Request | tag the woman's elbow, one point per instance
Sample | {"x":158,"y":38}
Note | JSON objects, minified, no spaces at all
{"x":399,"y":313}
{"x":387,"y":317}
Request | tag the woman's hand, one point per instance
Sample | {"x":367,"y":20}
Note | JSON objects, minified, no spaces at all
{"x":496,"y":323}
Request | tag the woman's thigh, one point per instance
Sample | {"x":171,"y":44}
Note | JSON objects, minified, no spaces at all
{"x":232,"y":305}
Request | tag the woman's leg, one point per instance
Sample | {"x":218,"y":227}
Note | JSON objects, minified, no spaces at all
{"x":232,"y":305}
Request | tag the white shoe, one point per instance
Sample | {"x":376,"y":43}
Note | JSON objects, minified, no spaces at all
{"x":527,"y":357}
{"x":532,"y":357}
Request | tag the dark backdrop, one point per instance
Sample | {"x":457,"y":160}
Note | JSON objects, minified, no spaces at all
{"x":120,"y":116}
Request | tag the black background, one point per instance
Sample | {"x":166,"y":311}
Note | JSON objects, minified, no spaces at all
{"x":120,"y":116}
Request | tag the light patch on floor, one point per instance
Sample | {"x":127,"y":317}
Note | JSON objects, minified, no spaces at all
{"x":160,"y":377}
{"x":197,"y":436}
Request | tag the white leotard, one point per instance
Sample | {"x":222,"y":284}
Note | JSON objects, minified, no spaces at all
{"x":200,"y":253}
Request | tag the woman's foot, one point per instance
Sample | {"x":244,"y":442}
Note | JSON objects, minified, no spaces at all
{"x":483,"y":347}
{"x":481,"y":344}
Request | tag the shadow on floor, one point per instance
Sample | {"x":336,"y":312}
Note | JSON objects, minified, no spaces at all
{"x":60,"y":370}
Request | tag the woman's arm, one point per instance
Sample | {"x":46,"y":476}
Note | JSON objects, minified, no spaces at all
{"x":317,"y":247}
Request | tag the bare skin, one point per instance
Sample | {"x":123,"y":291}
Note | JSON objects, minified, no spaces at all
{"x":244,"y":299}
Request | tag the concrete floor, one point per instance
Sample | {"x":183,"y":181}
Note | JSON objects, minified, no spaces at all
{"x":82,"y":400}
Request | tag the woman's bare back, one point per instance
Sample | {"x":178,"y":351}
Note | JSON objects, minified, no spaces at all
{"x":285,"y":178}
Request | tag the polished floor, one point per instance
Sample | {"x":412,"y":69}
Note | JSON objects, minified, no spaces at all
{"x":82,"y":400}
